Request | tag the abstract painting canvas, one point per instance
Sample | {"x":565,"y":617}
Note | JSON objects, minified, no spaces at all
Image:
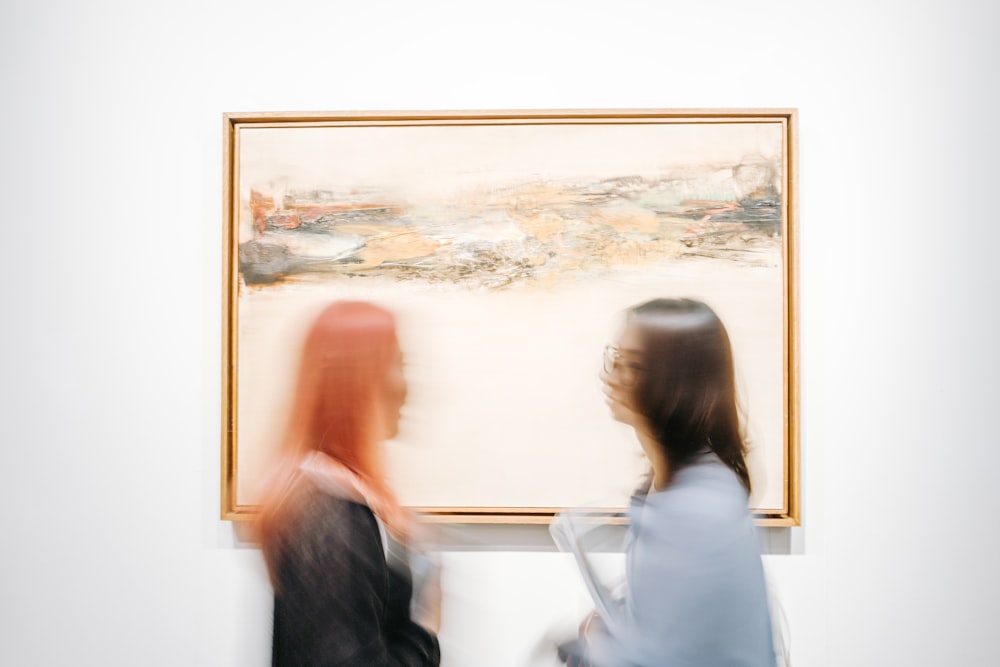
{"x":508,"y":244}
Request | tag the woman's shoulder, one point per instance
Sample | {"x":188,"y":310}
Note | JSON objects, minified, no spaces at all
{"x":315,"y":510}
{"x":707,"y":472}
{"x":704,"y":491}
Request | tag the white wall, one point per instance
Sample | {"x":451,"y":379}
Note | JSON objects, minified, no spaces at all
{"x":110,"y":259}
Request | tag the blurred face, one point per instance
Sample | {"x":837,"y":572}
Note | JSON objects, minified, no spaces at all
{"x":622,"y":366}
{"x":395,"y":395}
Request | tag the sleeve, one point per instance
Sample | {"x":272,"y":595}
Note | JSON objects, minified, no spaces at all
{"x":663,"y":572}
{"x":687,"y":570}
{"x":330,"y":606}
{"x":413,"y":646}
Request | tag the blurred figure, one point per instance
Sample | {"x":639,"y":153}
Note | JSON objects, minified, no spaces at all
{"x":333,"y":535}
{"x":696,"y":594}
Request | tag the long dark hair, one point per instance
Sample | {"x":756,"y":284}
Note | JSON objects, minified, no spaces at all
{"x":687,"y":390}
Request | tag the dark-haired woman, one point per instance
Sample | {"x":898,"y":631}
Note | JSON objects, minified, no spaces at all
{"x":696,"y":594}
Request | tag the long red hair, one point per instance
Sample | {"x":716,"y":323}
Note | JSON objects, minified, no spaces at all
{"x":339,"y":404}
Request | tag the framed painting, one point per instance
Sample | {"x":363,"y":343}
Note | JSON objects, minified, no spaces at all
{"x":509,"y":244}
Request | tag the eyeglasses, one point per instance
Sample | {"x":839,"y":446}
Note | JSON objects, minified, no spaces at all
{"x":626,"y":372}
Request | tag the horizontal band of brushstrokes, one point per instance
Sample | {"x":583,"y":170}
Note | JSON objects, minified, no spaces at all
{"x":529,"y":231}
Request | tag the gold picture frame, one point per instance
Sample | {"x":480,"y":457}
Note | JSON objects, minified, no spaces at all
{"x":508,"y":242}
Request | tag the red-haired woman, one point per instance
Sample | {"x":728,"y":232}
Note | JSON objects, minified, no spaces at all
{"x":333,"y":535}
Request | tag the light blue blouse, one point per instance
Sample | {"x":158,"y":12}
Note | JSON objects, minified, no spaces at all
{"x":696,"y":591}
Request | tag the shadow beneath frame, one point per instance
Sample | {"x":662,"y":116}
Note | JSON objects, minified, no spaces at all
{"x":775,"y":541}
{"x":504,"y":537}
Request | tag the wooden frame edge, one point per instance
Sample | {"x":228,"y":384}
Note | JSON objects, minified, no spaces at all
{"x":227,"y":497}
{"x":793,"y":515}
{"x":265,"y":117}
{"x":507,"y":519}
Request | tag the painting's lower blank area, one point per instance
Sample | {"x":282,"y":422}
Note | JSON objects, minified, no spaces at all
{"x":505,"y":406}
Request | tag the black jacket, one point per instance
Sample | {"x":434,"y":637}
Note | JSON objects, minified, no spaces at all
{"x":337,"y":602}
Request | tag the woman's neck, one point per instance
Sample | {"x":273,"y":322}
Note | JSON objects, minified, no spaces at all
{"x":657,"y":459}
